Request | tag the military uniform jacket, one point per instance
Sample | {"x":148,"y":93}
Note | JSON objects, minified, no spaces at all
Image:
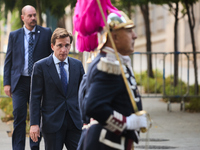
{"x":107,"y":101}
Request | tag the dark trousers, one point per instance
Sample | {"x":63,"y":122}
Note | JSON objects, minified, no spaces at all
{"x":67,"y":135}
{"x":20,"y":98}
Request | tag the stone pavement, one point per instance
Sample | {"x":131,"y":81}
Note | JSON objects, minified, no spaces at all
{"x":5,"y":141}
{"x":175,"y":130}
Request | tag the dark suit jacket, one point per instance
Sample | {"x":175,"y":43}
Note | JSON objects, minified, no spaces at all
{"x":46,"y":84}
{"x":14,"y":62}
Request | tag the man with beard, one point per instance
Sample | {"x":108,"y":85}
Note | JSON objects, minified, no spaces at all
{"x":25,"y":46}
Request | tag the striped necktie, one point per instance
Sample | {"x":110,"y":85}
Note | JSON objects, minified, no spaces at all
{"x":63,"y":75}
{"x":30,"y":53}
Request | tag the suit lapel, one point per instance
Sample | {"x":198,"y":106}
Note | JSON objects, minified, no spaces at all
{"x":54,"y":74}
{"x":72,"y":75}
{"x":37,"y":36}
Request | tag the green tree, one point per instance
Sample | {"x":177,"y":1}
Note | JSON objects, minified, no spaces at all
{"x":189,"y":5}
{"x":16,"y":5}
{"x":144,"y":7}
{"x":174,"y":9}
{"x":57,"y":8}
{"x":125,"y":6}
{"x":189,"y":10}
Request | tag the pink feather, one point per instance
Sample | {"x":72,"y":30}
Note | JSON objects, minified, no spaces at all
{"x":88,"y":22}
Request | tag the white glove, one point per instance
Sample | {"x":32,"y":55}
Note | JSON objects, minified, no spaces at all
{"x":134,"y":122}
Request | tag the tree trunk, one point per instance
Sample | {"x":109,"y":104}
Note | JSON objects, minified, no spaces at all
{"x":145,"y":12}
{"x":129,"y":9}
{"x":39,"y":13}
{"x":191,"y":22}
{"x":176,"y":57}
{"x":74,"y":41}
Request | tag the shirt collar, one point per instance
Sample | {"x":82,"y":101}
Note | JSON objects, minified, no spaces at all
{"x":57,"y":61}
{"x":28,"y":31}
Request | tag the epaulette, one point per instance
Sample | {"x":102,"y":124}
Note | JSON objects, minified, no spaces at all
{"x":109,"y":64}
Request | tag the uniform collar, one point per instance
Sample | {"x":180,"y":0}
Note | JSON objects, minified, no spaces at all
{"x":124,"y":59}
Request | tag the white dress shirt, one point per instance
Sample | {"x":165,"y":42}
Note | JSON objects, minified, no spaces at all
{"x":66,"y":66}
{"x":26,"y":39}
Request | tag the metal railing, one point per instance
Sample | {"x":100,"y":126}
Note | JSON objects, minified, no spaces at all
{"x":163,"y":64}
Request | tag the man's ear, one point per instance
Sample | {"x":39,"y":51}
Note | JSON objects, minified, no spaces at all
{"x":22,"y":17}
{"x":115,"y":37}
{"x":52,"y":46}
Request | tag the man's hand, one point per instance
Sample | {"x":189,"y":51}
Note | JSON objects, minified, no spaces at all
{"x":7,"y":90}
{"x":34,"y":132}
{"x":135,"y":122}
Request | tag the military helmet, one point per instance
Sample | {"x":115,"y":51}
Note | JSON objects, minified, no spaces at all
{"x":115,"y":22}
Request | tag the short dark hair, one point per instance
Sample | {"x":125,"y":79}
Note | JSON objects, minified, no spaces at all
{"x":60,"y":33}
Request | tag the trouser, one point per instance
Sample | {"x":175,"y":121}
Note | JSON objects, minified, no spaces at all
{"x":67,"y":135}
{"x":20,"y":98}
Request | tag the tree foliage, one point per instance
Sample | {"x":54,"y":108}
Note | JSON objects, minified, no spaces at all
{"x":56,"y":7}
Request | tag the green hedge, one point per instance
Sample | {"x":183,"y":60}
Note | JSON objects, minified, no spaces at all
{"x":155,"y":85}
{"x":194,"y":105}
{"x":150,"y":85}
{"x":5,"y":104}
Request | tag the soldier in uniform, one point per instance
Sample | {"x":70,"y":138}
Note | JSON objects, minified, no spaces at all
{"x":114,"y":124}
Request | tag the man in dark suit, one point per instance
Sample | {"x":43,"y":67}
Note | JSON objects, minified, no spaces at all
{"x":56,"y":81}
{"x":25,"y":46}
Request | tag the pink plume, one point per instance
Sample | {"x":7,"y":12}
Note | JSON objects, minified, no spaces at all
{"x":88,"y":22}
{"x":86,"y":43}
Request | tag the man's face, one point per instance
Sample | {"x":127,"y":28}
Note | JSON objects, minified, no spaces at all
{"x":29,"y":18}
{"x":125,"y":40}
{"x":61,"y":48}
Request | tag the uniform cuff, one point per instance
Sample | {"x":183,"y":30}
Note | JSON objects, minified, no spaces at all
{"x":116,"y":123}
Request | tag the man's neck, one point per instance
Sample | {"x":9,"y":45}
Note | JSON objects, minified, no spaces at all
{"x":29,"y":28}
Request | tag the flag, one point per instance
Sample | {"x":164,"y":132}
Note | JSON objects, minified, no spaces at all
{"x":88,"y":22}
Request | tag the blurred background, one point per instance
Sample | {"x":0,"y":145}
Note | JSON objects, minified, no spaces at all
{"x":166,"y":61}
